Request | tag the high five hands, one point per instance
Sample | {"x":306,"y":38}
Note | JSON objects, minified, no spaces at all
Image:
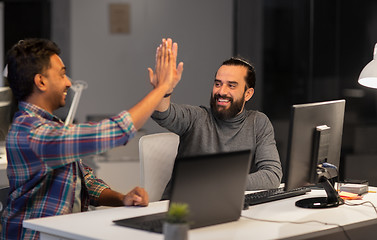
{"x":166,"y":69}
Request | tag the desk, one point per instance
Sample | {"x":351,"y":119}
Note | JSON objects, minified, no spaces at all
{"x":98,"y":224}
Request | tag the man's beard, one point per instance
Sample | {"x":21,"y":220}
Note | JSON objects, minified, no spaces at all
{"x":225,"y":114}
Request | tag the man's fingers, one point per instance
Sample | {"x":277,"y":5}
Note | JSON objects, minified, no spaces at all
{"x":175,"y":50}
{"x":180,"y":70}
{"x":169,"y":43}
{"x":158,"y":57}
{"x":137,"y":200}
{"x":164,"y":51}
{"x":137,"y":197}
{"x":151,"y":76}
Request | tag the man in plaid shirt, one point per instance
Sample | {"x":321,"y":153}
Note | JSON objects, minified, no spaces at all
{"x":46,"y":175}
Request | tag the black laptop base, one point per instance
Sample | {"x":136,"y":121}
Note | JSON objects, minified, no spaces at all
{"x":150,"y":223}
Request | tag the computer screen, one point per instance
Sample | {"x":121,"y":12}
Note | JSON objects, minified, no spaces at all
{"x":5,"y":119}
{"x":314,"y":147}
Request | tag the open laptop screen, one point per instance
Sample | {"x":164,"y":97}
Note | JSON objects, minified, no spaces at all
{"x":212,"y":185}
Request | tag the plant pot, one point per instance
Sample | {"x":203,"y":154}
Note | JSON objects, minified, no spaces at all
{"x":175,"y":231}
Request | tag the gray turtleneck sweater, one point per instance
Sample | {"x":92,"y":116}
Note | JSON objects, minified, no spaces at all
{"x":201,"y":132}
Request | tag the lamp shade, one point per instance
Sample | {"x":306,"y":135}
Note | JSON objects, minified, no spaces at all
{"x":368,"y":76}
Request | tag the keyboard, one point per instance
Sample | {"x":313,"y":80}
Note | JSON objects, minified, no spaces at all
{"x":273,"y":195}
{"x":151,"y":223}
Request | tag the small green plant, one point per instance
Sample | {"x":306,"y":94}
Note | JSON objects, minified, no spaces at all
{"x":178,"y":213}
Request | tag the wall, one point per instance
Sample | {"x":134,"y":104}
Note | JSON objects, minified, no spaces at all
{"x":115,"y":65}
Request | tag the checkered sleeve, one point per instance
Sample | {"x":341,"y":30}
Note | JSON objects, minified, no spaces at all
{"x":94,"y":185}
{"x":58,"y":145}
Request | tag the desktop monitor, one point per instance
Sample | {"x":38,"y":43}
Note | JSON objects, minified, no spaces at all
{"x":5,"y":112}
{"x":314,"y":145}
{"x":5,"y":119}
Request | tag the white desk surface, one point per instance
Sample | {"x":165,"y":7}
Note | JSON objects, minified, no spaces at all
{"x":98,"y":224}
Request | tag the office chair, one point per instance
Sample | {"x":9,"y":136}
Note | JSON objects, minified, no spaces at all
{"x":157,"y":153}
{"x":3,"y":200}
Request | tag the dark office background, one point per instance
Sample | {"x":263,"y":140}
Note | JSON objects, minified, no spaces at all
{"x":26,"y":18}
{"x":309,"y":50}
{"x":314,"y":50}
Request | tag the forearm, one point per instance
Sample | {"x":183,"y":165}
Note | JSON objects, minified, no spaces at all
{"x":57,"y":145}
{"x":178,"y":118}
{"x":164,"y":104}
{"x":111,"y":198}
{"x":141,"y":112}
{"x":267,"y":177}
{"x":136,"y":197}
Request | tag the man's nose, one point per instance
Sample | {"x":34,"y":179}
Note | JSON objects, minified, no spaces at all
{"x":69,"y":83}
{"x":223,"y":90}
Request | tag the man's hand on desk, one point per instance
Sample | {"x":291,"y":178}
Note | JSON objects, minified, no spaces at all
{"x":137,"y":197}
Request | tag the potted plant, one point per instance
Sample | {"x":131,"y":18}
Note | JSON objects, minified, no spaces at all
{"x":176,"y":225}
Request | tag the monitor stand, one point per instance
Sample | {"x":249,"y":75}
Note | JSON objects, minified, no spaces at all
{"x":332,"y":200}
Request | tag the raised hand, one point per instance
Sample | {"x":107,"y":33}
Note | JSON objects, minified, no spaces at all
{"x":166,"y":69}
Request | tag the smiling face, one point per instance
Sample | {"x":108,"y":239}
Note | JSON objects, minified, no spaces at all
{"x":57,"y":83}
{"x":230,"y":93}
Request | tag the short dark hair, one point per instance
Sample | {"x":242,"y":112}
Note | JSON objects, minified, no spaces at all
{"x":238,"y":61}
{"x":26,"y":59}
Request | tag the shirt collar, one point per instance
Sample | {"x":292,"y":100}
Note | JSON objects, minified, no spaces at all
{"x":240,"y":117}
{"x":34,"y":110}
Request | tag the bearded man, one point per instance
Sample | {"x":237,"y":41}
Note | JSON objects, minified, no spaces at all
{"x":226,"y":125}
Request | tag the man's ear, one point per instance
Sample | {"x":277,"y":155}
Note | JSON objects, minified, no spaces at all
{"x":249,"y":93}
{"x":40,"y":82}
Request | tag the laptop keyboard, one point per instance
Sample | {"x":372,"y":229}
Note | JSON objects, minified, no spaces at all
{"x":152,"y":225}
{"x":272,"y":195}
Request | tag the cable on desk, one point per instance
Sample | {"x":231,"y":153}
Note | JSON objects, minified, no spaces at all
{"x":362,"y":203}
{"x":302,"y":222}
{"x":328,"y":165}
{"x":315,"y":221}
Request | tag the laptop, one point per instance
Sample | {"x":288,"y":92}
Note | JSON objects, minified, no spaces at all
{"x":212,"y":185}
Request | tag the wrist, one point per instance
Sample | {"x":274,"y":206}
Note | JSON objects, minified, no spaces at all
{"x":167,"y":95}
{"x":164,"y":89}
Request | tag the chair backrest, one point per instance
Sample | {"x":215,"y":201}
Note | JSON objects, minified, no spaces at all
{"x":3,"y":198}
{"x":157,"y":153}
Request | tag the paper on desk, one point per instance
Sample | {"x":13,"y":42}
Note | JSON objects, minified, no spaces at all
{"x":349,"y":196}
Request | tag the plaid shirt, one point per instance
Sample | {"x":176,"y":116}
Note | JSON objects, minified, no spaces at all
{"x":42,"y":155}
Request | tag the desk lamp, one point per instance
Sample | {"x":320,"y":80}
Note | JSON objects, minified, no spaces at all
{"x":368,"y":76}
{"x":77,"y":88}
